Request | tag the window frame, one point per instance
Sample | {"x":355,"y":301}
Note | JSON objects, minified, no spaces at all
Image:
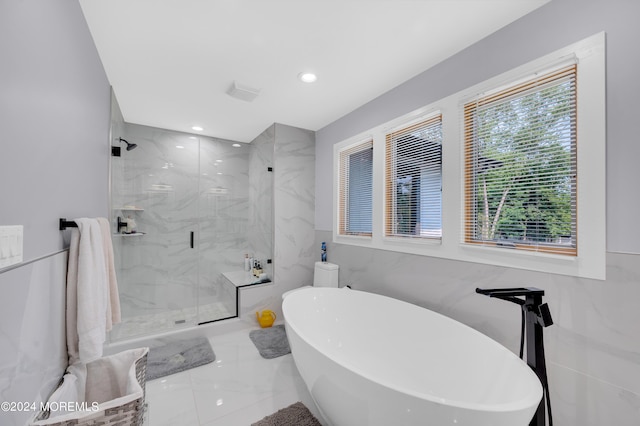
{"x":590,"y":262}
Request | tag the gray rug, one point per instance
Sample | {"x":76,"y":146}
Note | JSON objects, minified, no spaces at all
{"x":271,"y":342}
{"x":294,"y":415}
{"x":178,"y":356}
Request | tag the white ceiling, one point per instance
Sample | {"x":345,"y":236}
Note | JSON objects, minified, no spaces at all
{"x":170,"y":62}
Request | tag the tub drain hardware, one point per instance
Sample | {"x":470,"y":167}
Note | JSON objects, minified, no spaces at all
{"x":535,"y":317}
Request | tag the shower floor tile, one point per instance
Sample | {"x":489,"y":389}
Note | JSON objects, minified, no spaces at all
{"x":238,"y":388}
{"x":143,"y":325}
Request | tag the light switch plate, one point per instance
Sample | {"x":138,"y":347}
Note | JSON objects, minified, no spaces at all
{"x":10,"y":245}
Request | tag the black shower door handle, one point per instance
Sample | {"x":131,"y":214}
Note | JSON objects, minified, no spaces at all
{"x":192,"y":238}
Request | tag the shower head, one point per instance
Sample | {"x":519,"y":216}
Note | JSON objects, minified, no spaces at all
{"x":130,"y":146}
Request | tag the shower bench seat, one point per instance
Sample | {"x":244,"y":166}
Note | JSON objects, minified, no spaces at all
{"x":250,"y":292}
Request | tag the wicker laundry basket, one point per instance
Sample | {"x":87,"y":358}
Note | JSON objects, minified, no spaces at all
{"x":128,"y":406}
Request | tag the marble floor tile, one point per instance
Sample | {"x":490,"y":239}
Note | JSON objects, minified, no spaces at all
{"x":170,"y":401}
{"x":238,"y":388}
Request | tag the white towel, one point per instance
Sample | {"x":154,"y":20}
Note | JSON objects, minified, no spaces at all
{"x":87,"y":292}
{"x":113,"y":301}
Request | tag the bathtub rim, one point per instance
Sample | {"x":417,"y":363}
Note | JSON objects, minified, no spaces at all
{"x":527,"y":402}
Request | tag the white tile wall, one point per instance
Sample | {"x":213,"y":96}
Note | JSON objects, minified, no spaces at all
{"x":593,"y":348}
{"x":294,"y":204}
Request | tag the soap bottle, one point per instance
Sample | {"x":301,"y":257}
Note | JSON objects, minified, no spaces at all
{"x":323,"y":252}
{"x":247,"y":264}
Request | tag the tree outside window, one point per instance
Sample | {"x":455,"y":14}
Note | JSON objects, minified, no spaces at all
{"x":521,"y":166}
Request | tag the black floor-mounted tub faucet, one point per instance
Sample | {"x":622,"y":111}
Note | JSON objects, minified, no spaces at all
{"x":535,"y":316}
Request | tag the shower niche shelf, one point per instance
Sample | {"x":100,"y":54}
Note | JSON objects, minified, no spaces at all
{"x":135,"y":234}
{"x":130,"y":209}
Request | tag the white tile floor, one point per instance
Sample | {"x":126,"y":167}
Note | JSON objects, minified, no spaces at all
{"x":238,"y":388}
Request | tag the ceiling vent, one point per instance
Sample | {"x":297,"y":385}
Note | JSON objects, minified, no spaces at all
{"x":242,"y":92}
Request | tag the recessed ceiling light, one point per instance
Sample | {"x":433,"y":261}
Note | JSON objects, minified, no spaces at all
{"x":307,"y":77}
{"x":179,"y":146}
{"x":219,"y":173}
{"x":218,"y":161}
{"x":236,"y":145}
{"x":197,"y":128}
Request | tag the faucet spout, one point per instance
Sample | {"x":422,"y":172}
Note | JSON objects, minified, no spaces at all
{"x":512,"y":291}
{"x":532,"y":304}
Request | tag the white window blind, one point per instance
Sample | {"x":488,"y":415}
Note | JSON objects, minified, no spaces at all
{"x":356,"y":187}
{"x":520,"y":166}
{"x":413,"y":203}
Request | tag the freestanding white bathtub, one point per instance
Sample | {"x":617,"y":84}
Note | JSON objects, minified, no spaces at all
{"x":373,"y":360}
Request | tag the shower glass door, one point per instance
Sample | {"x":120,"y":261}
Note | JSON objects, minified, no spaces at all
{"x":235,"y":220}
{"x":198,"y":206}
{"x":223,"y":219}
{"x":156,"y":186}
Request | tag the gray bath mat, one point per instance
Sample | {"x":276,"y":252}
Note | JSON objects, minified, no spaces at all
{"x":294,"y":415}
{"x":178,"y":356}
{"x":271,"y":342}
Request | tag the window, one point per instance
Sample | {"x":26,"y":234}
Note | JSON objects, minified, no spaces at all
{"x":356,"y":187}
{"x":508,"y":172}
{"x":414,"y":180}
{"x":520,"y":166}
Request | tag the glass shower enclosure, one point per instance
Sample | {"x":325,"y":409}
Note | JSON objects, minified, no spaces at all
{"x":186,"y":210}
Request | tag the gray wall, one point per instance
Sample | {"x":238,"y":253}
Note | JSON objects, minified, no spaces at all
{"x":593,"y":349}
{"x":54,"y":116}
{"x":54,"y":121}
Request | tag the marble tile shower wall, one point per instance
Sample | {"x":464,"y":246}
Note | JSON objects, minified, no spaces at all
{"x":294,"y":209}
{"x":593,"y":348}
{"x":201,"y":188}
{"x":158,"y":269}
